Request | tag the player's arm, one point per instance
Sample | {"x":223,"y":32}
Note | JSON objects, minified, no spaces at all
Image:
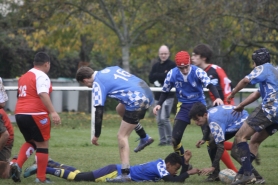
{"x":225,"y":83}
{"x":202,"y":75}
{"x":4,"y":134}
{"x":241,"y":84}
{"x":218,"y":155}
{"x":98,"y":120}
{"x":48,"y":104}
{"x":251,"y":98}
{"x":206,"y":132}
{"x":179,"y":178}
{"x":165,"y":92}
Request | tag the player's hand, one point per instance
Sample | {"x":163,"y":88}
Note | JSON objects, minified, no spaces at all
{"x":199,"y":143}
{"x":218,"y":101}
{"x":229,"y":98}
{"x":155,"y":109}
{"x":55,"y":118}
{"x":187,"y":156}
{"x":193,"y":171}
{"x":94,"y":141}
{"x":237,"y":110}
{"x":207,"y":171}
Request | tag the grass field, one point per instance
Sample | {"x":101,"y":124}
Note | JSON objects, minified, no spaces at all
{"x":70,"y":144}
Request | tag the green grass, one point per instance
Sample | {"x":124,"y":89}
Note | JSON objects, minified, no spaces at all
{"x":70,"y":144}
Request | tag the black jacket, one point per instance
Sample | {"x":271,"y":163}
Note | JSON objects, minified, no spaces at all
{"x":158,"y":73}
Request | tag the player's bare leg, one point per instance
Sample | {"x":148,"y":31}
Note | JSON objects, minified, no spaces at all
{"x":256,"y":140}
{"x":147,"y":140}
{"x":123,"y":135}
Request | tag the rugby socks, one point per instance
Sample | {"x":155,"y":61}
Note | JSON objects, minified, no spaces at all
{"x":54,"y":164}
{"x":228,"y":145}
{"x":254,"y":171}
{"x":244,"y":153}
{"x":42,"y":160}
{"x":179,"y":150}
{"x":140,"y":131}
{"x":226,"y":159}
{"x":65,"y":174}
{"x":26,"y":150}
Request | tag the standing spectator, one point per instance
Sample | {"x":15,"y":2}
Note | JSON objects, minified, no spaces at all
{"x":263,"y":118}
{"x":201,"y":57}
{"x":33,"y":113}
{"x":157,"y":76}
{"x":134,"y":97}
{"x":189,"y":81}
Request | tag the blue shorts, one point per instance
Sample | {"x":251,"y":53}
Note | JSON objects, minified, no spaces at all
{"x":183,"y":111}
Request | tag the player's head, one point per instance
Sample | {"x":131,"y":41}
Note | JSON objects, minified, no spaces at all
{"x":261,"y":56}
{"x":84,"y":76}
{"x":42,"y":60}
{"x":163,"y":53}
{"x":182,"y":60}
{"x":173,"y":163}
{"x":198,"y":113}
{"x":201,"y":53}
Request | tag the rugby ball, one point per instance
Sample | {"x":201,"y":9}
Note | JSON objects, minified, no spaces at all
{"x":227,"y":176}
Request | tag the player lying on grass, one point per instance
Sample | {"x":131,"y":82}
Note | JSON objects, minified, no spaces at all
{"x":223,"y":125}
{"x":150,"y":171}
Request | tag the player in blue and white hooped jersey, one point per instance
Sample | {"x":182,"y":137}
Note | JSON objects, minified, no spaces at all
{"x":189,"y":82}
{"x":263,"y":121}
{"x":152,"y":171}
{"x":134,"y":97}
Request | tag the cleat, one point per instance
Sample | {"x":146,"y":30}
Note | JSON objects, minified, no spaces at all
{"x":31,"y":170}
{"x":46,"y":181}
{"x":15,"y":172}
{"x":260,"y":181}
{"x":250,"y":179}
{"x":119,"y":179}
{"x":237,"y":177}
{"x":143,"y":143}
{"x":213,"y":177}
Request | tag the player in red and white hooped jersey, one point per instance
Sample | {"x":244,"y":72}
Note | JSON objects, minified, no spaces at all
{"x":201,"y":56}
{"x":33,"y":112}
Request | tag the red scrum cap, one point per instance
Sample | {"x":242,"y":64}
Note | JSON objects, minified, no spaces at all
{"x":182,"y":58}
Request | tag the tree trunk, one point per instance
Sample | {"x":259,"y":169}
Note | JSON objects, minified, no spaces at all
{"x":125,"y":57}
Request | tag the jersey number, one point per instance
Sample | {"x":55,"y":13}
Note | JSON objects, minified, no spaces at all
{"x":122,"y":74}
{"x":22,"y":91}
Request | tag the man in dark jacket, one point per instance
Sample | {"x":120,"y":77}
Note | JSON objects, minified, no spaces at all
{"x":157,"y":77}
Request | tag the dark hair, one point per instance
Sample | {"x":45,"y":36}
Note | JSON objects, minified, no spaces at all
{"x":203,"y":50}
{"x":198,"y":109}
{"x":261,"y":56}
{"x":41,"y":58}
{"x":173,"y":159}
{"x":83,"y":73}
